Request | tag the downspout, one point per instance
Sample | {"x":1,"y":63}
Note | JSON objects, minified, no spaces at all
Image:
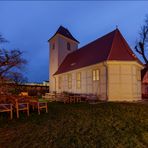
{"x":105,"y":65}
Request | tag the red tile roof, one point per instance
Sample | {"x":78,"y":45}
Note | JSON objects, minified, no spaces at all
{"x":65,"y":32}
{"x":111,"y":46}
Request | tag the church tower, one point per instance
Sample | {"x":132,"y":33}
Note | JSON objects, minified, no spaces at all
{"x":60,"y":45}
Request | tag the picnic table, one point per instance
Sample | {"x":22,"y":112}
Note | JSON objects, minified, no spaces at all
{"x":72,"y":98}
{"x":75,"y":98}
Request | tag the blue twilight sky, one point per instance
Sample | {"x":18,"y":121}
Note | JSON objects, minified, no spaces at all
{"x":28,"y":26}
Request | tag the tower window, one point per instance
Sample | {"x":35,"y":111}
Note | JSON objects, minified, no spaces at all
{"x":68,"y":46}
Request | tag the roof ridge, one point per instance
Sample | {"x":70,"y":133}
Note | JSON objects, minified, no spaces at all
{"x":90,"y":42}
{"x":129,"y":50}
{"x":127,"y":47}
{"x":112,"y":44}
{"x":96,"y":39}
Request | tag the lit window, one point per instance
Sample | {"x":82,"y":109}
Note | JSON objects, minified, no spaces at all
{"x":60,"y":82}
{"x":68,"y":46}
{"x":95,"y":75}
{"x":78,"y":80}
{"x":69,"y":81}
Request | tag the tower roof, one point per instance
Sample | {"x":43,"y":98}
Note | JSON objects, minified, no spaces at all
{"x":65,"y":32}
{"x":111,"y":46}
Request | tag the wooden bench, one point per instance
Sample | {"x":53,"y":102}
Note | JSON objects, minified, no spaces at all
{"x":6,"y":105}
{"x":7,"y":108}
{"x":91,"y":98}
{"x":20,"y":104}
{"x":72,"y":98}
{"x":77,"y":98}
{"x":38,"y":104}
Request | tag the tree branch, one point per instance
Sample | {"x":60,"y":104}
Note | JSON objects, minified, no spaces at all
{"x":141,"y":46}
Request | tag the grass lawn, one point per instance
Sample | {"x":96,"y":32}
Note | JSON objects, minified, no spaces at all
{"x":103,"y":125}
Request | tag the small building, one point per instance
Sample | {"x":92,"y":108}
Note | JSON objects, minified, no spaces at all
{"x":106,"y":67}
{"x":35,"y":89}
{"x":32,"y":89}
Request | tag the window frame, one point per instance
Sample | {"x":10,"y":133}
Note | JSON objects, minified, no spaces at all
{"x":78,"y":80}
{"x":95,"y":74}
{"x":69,"y":80}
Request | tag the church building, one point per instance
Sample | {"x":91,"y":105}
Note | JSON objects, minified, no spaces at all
{"x":106,"y":67}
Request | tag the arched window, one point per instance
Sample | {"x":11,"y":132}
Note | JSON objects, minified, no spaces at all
{"x":68,"y":46}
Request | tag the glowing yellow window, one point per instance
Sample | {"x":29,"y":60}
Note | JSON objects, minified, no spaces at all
{"x":95,"y":73}
{"x":78,"y":80}
{"x":69,"y":81}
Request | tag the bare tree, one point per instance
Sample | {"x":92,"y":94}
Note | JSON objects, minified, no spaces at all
{"x":11,"y":62}
{"x":142,"y":43}
{"x":17,"y":79}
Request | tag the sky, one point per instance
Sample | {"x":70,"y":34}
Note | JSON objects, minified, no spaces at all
{"x":29,"y":24}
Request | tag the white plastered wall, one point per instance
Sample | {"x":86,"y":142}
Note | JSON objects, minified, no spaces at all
{"x":124,"y":81}
{"x":58,"y":54}
{"x":88,"y":86}
{"x":118,"y":81}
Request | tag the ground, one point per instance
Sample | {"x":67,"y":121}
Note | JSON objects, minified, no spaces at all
{"x":104,"y":125}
